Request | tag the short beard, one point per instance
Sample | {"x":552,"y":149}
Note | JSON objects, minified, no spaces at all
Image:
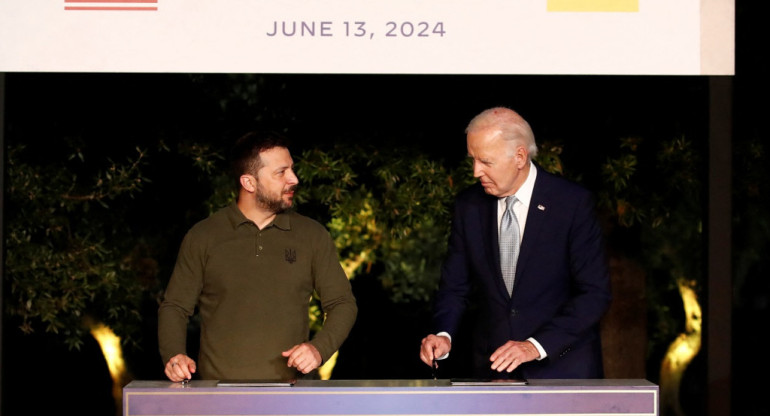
{"x":273,"y":205}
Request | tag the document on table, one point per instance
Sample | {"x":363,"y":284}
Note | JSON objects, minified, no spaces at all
{"x":487,"y":382}
{"x":255,"y":383}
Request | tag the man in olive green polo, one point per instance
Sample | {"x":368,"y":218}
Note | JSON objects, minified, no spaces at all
{"x":250,"y":269}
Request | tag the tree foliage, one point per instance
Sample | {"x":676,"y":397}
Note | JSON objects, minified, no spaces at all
{"x":652,"y":198}
{"x":68,"y":253}
{"x":388,"y":211}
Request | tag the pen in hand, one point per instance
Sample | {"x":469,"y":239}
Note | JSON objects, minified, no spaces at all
{"x":433,"y":369}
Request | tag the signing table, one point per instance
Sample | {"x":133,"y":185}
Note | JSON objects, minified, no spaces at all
{"x":393,"y":397}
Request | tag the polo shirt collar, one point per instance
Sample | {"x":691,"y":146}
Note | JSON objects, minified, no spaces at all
{"x":283,"y":221}
{"x":236,"y":218}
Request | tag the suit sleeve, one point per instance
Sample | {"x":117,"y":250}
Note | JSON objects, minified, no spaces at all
{"x":589,"y":283}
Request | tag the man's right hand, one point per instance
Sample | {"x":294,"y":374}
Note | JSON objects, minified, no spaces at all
{"x":180,"y":367}
{"x":433,"y":347}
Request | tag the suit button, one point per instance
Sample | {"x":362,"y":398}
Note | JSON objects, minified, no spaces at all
{"x":514,"y":312}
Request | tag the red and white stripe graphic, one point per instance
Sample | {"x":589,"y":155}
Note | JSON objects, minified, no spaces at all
{"x":123,"y":5}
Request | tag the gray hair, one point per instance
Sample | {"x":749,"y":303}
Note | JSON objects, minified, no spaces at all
{"x":512,"y":127}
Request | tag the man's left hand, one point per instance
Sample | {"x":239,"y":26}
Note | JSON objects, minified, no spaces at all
{"x":513,"y":354}
{"x":304,"y":357}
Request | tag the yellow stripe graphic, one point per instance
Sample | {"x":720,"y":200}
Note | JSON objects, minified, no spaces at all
{"x":593,"y":5}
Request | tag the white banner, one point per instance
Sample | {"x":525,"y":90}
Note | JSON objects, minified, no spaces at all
{"x":635,"y":37}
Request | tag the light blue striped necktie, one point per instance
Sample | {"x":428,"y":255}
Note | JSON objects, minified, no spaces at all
{"x":509,"y":243}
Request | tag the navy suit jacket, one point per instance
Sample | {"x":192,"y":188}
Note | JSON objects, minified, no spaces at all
{"x":561,"y":288}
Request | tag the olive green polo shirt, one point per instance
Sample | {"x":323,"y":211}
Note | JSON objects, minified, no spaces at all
{"x":252,"y":288}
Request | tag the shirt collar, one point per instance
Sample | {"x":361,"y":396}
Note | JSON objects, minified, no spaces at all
{"x":524,"y":193}
{"x":282,"y":220}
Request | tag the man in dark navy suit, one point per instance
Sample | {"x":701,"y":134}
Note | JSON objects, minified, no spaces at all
{"x":539,"y":307}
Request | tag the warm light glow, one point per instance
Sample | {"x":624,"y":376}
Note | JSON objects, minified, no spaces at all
{"x":351,"y":265}
{"x":325,"y":371}
{"x":687,"y":345}
{"x":110,"y":344}
{"x":694,"y":319}
{"x":363,"y":223}
{"x":682,"y":351}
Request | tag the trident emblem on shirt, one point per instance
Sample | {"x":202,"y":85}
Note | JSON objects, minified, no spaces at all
{"x":290,"y":255}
